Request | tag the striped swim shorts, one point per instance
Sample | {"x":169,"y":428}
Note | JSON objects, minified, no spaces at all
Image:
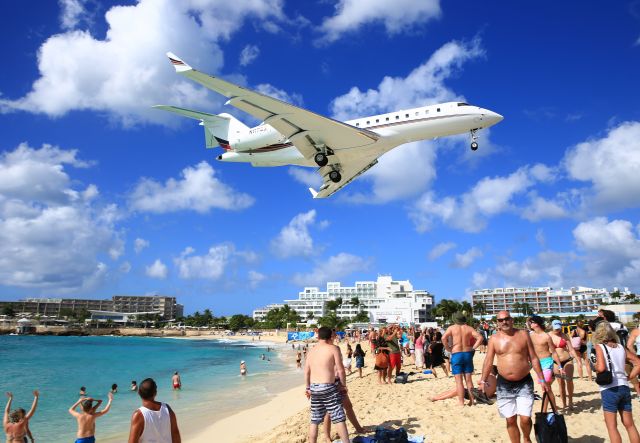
{"x":325,"y":397}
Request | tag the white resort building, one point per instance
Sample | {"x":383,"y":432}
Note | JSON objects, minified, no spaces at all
{"x":384,"y":300}
{"x":546,"y":300}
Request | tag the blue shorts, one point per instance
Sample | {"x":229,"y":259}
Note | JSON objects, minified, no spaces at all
{"x":462,"y":363}
{"x":91,"y":439}
{"x":616,"y":399}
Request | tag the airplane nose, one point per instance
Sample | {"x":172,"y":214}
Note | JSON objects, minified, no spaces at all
{"x":493,"y":117}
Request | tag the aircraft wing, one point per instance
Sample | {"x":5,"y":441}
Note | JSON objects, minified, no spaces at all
{"x":349,"y":170}
{"x":305,"y":129}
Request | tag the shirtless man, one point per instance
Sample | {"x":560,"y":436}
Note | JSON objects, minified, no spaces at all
{"x":87,"y":418}
{"x":175,"y":380}
{"x":546,"y":352}
{"x":462,"y":354}
{"x":320,"y":367}
{"x":514,"y":388}
{"x":15,"y":423}
{"x":564,"y":369}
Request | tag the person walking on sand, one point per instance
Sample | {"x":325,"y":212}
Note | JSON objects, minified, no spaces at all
{"x":15,"y":423}
{"x":176,"y":382}
{"x":321,"y":365}
{"x":436,"y":356}
{"x":564,"y":370}
{"x":546,"y":352}
{"x":462,"y":352}
{"x":616,"y":396}
{"x":359,"y":355}
{"x":87,"y":418}
{"x":153,"y":422}
{"x":514,"y":386}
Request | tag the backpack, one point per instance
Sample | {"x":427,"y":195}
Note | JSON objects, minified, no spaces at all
{"x":391,"y":436}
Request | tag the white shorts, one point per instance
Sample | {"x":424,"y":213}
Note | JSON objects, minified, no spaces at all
{"x":515,"y":398}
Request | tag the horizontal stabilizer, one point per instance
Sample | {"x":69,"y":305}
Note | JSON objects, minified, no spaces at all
{"x":188,"y":112}
{"x":314,"y":193}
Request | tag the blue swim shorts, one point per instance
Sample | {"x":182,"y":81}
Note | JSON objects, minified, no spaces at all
{"x":617,"y":398}
{"x":91,"y":439}
{"x":462,"y":363}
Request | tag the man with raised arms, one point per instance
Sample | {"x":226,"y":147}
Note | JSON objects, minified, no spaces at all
{"x":323,"y":362}
{"x":87,"y":418}
{"x":514,"y":389}
{"x":462,"y":352}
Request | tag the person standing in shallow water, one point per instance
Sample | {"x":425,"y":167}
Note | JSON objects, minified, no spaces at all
{"x":176,"y":382}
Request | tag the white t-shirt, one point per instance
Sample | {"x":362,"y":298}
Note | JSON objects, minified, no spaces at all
{"x":618,"y":357}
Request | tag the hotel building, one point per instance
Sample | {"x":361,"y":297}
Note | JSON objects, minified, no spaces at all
{"x":545,"y":300}
{"x":384,"y":300}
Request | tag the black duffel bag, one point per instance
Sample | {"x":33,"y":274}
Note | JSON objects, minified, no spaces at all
{"x":550,"y":426}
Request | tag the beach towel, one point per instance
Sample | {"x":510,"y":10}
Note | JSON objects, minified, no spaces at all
{"x":363,"y":439}
{"x":391,"y":435}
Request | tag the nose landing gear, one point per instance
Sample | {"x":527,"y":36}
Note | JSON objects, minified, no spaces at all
{"x":474,"y":140}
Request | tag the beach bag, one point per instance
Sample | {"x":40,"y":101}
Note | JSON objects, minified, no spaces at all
{"x":550,"y":426}
{"x":382,"y":360}
{"x":391,"y":436}
{"x":605,"y":377}
{"x":402,"y":378}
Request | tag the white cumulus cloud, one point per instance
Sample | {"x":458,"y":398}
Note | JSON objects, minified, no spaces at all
{"x":610,"y":164}
{"x":397,"y":16}
{"x":440,"y":249}
{"x":466,"y":259}
{"x":157,"y":270}
{"x":78,"y":71}
{"x":306,"y":176}
{"x":139,"y":244}
{"x":72,"y":12}
{"x":248,"y":54}
{"x":332,"y":269}
{"x":198,"y":190}
{"x":53,"y":235}
{"x":294,"y":240}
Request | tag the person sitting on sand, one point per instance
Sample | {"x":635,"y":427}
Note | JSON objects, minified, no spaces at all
{"x":176,"y":382}
{"x":87,"y":418}
{"x":153,"y":421}
{"x":243,"y":368}
{"x":321,"y":365}
{"x":15,"y":423}
{"x":483,"y":397}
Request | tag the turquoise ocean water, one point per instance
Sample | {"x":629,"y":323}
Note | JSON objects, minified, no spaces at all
{"x":212,"y":386}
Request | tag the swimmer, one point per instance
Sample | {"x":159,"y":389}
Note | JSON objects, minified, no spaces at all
{"x":243,"y":368}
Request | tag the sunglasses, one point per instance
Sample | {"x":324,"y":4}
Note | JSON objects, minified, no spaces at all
{"x":500,"y":320}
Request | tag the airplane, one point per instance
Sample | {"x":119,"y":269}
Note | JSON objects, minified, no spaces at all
{"x":341,"y":151}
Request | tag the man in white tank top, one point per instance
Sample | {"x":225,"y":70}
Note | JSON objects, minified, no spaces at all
{"x":153,"y":422}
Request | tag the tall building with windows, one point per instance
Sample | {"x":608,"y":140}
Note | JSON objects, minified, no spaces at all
{"x":384,"y":300}
{"x":545,"y":300}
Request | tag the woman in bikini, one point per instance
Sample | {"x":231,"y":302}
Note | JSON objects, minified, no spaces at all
{"x":579,"y":343}
{"x":566,"y":354}
{"x":15,"y":423}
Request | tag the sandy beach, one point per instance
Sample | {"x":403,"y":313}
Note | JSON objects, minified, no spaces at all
{"x":286,"y":417}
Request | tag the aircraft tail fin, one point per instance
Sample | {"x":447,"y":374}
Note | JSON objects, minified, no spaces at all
{"x":219,"y":130}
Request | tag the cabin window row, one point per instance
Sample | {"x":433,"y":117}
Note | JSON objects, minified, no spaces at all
{"x":417,"y":114}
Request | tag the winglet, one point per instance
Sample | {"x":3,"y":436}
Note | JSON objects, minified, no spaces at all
{"x":177,"y":63}
{"x":314,"y":193}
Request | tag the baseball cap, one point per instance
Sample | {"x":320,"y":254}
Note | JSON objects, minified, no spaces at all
{"x":556,"y":324}
{"x":241,"y":361}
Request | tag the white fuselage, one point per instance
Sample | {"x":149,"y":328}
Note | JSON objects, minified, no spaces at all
{"x":264,"y":146}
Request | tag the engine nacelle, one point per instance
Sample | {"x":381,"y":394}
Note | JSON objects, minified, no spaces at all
{"x":258,"y":137}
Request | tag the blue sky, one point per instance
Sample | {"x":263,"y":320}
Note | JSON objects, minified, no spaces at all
{"x":101,"y":195}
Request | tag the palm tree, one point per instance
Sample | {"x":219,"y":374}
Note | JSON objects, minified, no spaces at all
{"x":355,"y":302}
{"x":480,"y":308}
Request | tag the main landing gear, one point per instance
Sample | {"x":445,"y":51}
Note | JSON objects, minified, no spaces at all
{"x":321,"y":159}
{"x":335,"y":176}
{"x":474,"y":140}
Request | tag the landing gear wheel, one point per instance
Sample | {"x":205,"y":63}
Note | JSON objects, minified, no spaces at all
{"x":474,"y":146}
{"x":321,"y":159}
{"x":335,"y":176}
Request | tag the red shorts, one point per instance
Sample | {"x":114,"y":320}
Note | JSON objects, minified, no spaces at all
{"x":395,"y":361}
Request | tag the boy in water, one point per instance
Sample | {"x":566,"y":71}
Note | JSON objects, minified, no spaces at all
{"x":87,"y":418}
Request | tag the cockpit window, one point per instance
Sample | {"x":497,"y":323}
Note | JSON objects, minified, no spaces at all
{"x":463,"y":104}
